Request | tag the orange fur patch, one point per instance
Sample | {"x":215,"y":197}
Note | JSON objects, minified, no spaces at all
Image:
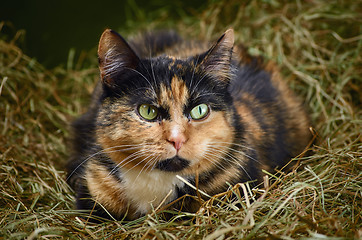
{"x":106,"y":190}
{"x":254,"y":129}
{"x":179,"y":91}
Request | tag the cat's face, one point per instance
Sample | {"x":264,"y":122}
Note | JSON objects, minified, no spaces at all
{"x":165,"y":113}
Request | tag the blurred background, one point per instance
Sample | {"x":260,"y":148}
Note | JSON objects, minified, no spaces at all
{"x":54,"y":30}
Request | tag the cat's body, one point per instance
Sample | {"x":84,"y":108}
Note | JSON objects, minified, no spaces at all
{"x":168,"y":107}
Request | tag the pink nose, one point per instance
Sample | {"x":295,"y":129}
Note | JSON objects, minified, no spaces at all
{"x":177,"y":141}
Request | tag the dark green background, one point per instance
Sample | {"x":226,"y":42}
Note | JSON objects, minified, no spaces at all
{"x":52,"y":28}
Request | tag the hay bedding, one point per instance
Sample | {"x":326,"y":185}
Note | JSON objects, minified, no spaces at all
{"x":318,"y":46}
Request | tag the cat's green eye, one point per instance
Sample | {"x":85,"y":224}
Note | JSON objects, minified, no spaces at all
{"x":199,"y":112}
{"x":148,"y":112}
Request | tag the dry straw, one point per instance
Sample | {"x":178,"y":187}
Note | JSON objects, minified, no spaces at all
{"x":317,"y":45}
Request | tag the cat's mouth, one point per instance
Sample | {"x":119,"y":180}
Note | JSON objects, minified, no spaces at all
{"x":174,"y":164}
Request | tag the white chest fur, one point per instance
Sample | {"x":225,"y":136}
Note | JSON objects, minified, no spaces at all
{"x":149,"y":188}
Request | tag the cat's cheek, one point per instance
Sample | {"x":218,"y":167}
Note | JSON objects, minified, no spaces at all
{"x":215,"y":132}
{"x":116,"y":133}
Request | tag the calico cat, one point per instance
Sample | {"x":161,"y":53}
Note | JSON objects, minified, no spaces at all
{"x":166,"y":107}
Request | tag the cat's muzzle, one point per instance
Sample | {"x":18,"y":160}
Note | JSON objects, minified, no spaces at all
{"x":174,"y":164}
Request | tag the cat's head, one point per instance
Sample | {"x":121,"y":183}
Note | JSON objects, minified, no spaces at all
{"x":164,"y":113}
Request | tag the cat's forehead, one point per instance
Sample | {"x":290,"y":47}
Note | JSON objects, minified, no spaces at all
{"x":175,"y":93}
{"x":173,"y":64}
{"x":169,"y":75}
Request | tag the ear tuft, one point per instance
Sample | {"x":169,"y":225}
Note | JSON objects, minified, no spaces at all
{"x":115,"y":57}
{"x":217,"y":62}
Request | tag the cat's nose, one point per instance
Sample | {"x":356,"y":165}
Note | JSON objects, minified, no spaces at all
{"x":177,"y":142}
{"x":177,"y":138}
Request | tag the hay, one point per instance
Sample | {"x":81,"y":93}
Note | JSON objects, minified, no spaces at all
{"x":317,"y":44}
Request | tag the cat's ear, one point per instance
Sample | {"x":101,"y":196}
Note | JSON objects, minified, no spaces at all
{"x":115,"y":57}
{"x":217,"y":61}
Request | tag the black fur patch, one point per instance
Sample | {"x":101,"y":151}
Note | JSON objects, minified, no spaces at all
{"x":174,"y":164}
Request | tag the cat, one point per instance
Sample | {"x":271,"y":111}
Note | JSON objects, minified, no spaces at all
{"x":168,"y":110}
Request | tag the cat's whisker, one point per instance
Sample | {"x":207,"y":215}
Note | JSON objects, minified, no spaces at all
{"x":222,"y":155}
{"x":126,"y":145}
{"x":152,"y":164}
{"x":207,"y":94}
{"x":143,"y":160}
{"x":244,"y":154}
{"x":153,"y":72}
{"x":154,"y":156}
{"x":232,"y":159}
{"x":95,"y":154}
{"x":235,"y":150}
{"x":197,"y":84}
{"x":224,"y":149}
{"x":129,"y":159}
{"x":146,"y":165}
{"x":132,"y":157}
{"x":228,"y":158}
{"x":233,"y":143}
{"x":115,"y":148}
{"x":203,"y":76}
{"x":129,"y":156}
{"x":218,"y":164}
{"x":193,"y":71}
{"x":214,"y":159}
{"x":153,"y":89}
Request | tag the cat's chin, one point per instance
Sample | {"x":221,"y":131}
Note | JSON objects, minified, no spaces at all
{"x":175,"y":164}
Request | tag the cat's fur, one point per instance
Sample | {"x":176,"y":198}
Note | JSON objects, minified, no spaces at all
{"x":124,"y":165}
